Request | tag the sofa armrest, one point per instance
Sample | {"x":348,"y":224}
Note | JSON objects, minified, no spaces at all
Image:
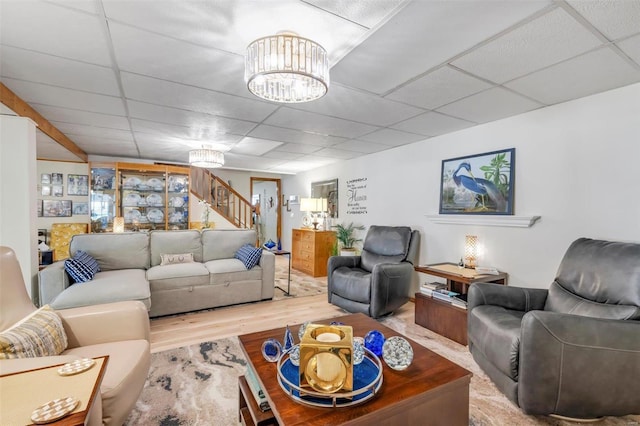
{"x":52,"y":281}
{"x":578,"y":366}
{"x":268,"y":265}
{"x":390,"y":285}
{"x":516,"y":298}
{"x":109,"y":322}
{"x":336,"y":262}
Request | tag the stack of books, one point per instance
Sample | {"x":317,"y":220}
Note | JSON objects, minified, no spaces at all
{"x":460,"y":301}
{"x":444,"y":295}
{"x":428,"y":288}
{"x":257,"y":392}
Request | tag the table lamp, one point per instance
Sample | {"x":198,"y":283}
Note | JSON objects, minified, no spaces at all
{"x":470,"y":251}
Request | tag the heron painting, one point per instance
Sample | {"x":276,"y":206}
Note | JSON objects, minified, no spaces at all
{"x":478,"y":184}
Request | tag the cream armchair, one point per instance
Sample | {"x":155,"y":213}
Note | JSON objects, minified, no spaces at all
{"x":120,"y":330}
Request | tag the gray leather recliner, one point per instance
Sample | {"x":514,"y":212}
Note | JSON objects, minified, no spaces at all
{"x":572,"y":350}
{"x":379,"y":280}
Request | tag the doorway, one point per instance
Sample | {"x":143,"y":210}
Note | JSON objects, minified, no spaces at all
{"x":265,"y":199}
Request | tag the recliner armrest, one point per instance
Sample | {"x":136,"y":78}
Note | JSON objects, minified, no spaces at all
{"x":336,"y":262}
{"x":390,"y":285}
{"x":109,"y":322}
{"x":516,"y":298}
{"x":568,"y":362}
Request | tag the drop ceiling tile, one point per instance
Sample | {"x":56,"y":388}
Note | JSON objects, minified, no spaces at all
{"x":199,"y":135}
{"x":66,"y":98}
{"x":615,"y":19}
{"x":66,"y":115}
{"x":312,"y":122}
{"x":391,"y":137}
{"x":361,"y":146}
{"x":181,"y":96}
{"x":197,"y":121}
{"x":355,"y":105}
{"x":241,"y":161}
{"x":379,"y":65}
{"x":254,"y":146}
{"x":367,"y":14}
{"x":41,"y":68}
{"x":631,"y":47}
{"x":438,"y":88}
{"x":283,"y":155}
{"x":296,"y":136}
{"x":338,"y":154}
{"x":145,"y":53}
{"x":60,"y":31}
{"x":298,"y":148}
{"x":101,"y":132}
{"x":89,"y":6}
{"x":104,"y":146}
{"x":169,"y":142}
{"x":231,"y":25}
{"x":492,"y":104}
{"x":527,"y":48}
{"x":433,"y":124}
{"x":585,"y":75}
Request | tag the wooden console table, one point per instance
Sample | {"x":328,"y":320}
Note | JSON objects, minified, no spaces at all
{"x":442,"y":317}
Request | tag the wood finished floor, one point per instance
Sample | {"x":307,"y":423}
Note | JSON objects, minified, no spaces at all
{"x":182,"y":330}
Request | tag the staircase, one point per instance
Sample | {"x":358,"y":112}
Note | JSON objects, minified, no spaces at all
{"x":221,"y":197}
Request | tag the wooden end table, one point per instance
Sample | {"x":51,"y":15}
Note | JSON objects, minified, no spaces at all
{"x":442,"y":317}
{"x":431,"y":391}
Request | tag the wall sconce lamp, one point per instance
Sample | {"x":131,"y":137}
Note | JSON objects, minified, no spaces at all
{"x":293,"y":200}
{"x":470,"y":251}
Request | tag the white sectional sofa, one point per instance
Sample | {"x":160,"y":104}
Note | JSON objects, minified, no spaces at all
{"x":131,"y":269}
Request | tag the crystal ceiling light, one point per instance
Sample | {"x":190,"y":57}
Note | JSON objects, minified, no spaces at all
{"x":205,"y":157}
{"x":286,"y":68}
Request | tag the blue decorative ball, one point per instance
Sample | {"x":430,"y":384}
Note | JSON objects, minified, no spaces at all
{"x":271,"y":350}
{"x":374,"y":340}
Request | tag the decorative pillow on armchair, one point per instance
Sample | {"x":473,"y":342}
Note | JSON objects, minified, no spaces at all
{"x":82,"y":267}
{"x":249,"y":255}
{"x":39,"y":334}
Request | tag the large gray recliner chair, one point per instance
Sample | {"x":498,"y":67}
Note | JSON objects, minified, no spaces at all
{"x":574,"y":349}
{"x":379,"y":280}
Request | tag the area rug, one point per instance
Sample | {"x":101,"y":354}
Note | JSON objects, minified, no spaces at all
{"x":301,"y":284}
{"x":197,"y":385}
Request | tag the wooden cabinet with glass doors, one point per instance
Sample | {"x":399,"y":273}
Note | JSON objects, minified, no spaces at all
{"x":150,"y":197}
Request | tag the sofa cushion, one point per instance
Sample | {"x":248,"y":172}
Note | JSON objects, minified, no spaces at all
{"x":39,"y":334}
{"x":224,"y":271}
{"x":352,"y":284}
{"x":106,"y":287}
{"x":179,"y":275}
{"x":81,"y":267}
{"x":495,"y":329}
{"x":175,"y":242}
{"x":170,"y":259}
{"x":224,"y":243}
{"x":129,"y":250}
{"x":249,"y":255}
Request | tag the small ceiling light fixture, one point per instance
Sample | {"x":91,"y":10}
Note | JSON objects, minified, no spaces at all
{"x":205,"y":157}
{"x":286,"y":68}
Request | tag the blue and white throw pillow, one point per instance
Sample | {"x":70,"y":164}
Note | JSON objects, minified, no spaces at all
{"x":249,"y":255}
{"x":82,"y":267}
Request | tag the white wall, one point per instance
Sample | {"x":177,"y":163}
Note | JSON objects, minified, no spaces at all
{"x":17,"y":195}
{"x":576,"y":166}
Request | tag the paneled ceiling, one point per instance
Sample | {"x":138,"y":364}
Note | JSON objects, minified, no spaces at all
{"x":153,"y":79}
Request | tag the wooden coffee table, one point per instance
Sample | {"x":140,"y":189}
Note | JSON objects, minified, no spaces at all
{"x":432,"y":391}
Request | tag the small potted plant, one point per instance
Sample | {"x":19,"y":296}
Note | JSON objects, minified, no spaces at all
{"x":346,"y":237}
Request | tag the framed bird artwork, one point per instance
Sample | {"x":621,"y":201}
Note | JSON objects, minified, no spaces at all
{"x":478,"y":184}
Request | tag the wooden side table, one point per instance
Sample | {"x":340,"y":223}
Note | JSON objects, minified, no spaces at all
{"x":22,"y":392}
{"x":442,"y":317}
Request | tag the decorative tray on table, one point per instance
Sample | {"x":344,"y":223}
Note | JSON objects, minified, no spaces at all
{"x":367,"y":379}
